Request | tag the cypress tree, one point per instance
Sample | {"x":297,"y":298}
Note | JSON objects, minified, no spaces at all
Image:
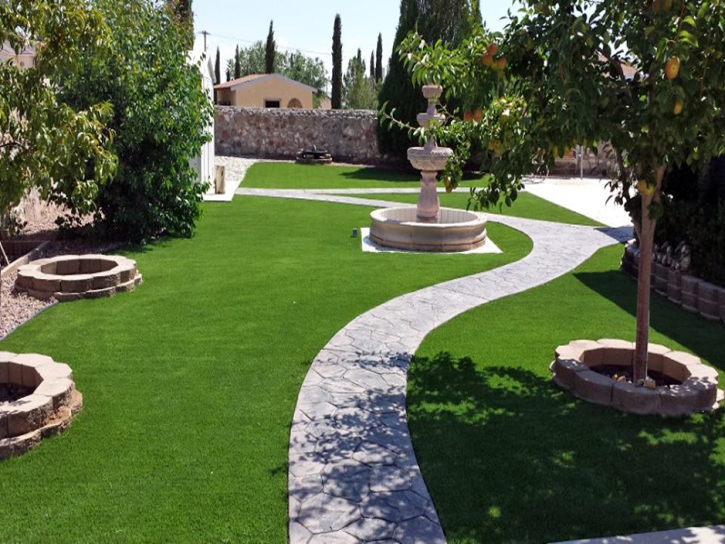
{"x":372,"y":66}
{"x":237,"y":65}
{"x":336,"y":97}
{"x":270,"y":50}
{"x":448,"y":20}
{"x":217,"y":68}
{"x":379,"y":60}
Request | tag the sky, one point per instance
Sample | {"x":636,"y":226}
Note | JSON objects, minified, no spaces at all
{"x":307,"y":25}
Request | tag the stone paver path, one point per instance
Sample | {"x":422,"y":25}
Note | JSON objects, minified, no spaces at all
{"x":353,"y":475}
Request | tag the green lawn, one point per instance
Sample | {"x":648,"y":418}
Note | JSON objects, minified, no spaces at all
{"x":526,"y":205}
{"x":288,"y":175}
{"x":190,"y":381}
{"x":510,"y":458}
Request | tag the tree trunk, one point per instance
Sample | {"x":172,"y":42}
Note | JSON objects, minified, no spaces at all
{"x":646,"y":233}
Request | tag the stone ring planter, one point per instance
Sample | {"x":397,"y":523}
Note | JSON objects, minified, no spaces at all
{"x":70,"y":277}
{"x":47,"y":410}
{"x":697,"y":390}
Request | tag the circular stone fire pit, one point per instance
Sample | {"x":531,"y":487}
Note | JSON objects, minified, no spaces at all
{"x":46,"y":410}
{"x":695,"y":390}
{"x":70,"y":277}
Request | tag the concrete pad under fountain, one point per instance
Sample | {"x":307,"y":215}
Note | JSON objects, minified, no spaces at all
{"x":428,"y":227}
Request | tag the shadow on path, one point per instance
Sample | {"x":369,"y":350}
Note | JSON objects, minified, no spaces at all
{"x":532,"y":464}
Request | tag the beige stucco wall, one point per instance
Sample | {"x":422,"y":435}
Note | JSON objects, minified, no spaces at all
{"x":23,"y":60}
{"x":254,"y":94}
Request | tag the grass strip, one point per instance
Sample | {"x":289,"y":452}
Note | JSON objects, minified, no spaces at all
{"x":510,"y":458}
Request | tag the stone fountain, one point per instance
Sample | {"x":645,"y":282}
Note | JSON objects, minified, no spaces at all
{"x":428,"y":227}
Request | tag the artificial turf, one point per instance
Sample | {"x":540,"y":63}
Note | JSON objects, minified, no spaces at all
{"x":526,"y":205}
{"x":190,"y":381}
{"x":510,"y":458}
{"x":288,"y":175}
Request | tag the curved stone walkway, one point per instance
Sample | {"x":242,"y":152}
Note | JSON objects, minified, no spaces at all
{"x":353,"y":475}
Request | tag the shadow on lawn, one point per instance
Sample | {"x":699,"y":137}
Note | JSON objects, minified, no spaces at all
{"x":371,"y":173}
{"x":701,"y":337}
{"x":508,"y":457}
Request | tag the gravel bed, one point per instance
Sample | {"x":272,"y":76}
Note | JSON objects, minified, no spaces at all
{"x":15,"y":307}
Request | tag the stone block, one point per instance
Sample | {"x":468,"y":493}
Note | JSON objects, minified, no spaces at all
{"x":707,"y":300}
{"x":24,"y":282}
{"x":40,"y":295}
{"x":3,"y":424}
{"x":721,"y":302}
{"x":10,"y":447}
{"x":655,"y":356}
{"x":704,"y":374}
{"x":100,"y":293}
{"x":103,"y":280}
{"x":58,"y":423}
{"x":77,"y":284}
{"x":67,"y":265}
{"x":676,"y":364}
{"x":689,"y":294}
{"x":126,"y":287}
{"x":49,"y":267}
{"x":28,"y":414}
{"x":565,"y":370}
{"x":593,"y":356}
{"x":46,"y":283}
{"x":67,"y":297}
{"x":661,"y":276}
{"x":4,"y":366}
{"x":7,"y":356}
{"x":127,"y":272}
{"x":593,"y":387}
{"x":90,"y":264}
{"x":15,"y":373}
{"x":59,"y":390}
{"x":679,"y":400}
{"x":635,"y":400}
{"x":617,"y":352}
{"x":674,"y":286}
{"x":707,"y":394}
{"x":32,"y":359}
{"x":55,"y":371}
{"x":570,"y":352}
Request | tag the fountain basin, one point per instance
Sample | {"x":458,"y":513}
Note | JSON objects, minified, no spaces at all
{"x":429,"y":160}
{"x":455,"y":230}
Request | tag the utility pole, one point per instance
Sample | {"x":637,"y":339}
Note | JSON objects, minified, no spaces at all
{"x":205,"y":33}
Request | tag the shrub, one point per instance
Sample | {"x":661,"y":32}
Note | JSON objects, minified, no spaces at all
{"x":697,"y":218}
{"x":160,"y":119}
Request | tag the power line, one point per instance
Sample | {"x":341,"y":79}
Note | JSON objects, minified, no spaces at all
{"x":232,"y":38}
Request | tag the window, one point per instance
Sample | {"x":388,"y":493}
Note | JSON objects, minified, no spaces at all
{"x":294,"y":103}
{"x":271,"y":103}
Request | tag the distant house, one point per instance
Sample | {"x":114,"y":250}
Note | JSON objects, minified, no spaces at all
{"x":24,"y":59}
{"x":265,"y":91}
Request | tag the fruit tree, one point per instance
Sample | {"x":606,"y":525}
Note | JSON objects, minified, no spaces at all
{"x":646,"y":76}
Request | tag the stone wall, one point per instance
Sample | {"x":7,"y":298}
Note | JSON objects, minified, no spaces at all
{"x":349,"y":135}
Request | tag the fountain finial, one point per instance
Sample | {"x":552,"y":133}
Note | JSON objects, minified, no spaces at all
{"x":429,"y":159}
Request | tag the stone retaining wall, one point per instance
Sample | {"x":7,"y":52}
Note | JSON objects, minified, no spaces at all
{"x":349,"y":135}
